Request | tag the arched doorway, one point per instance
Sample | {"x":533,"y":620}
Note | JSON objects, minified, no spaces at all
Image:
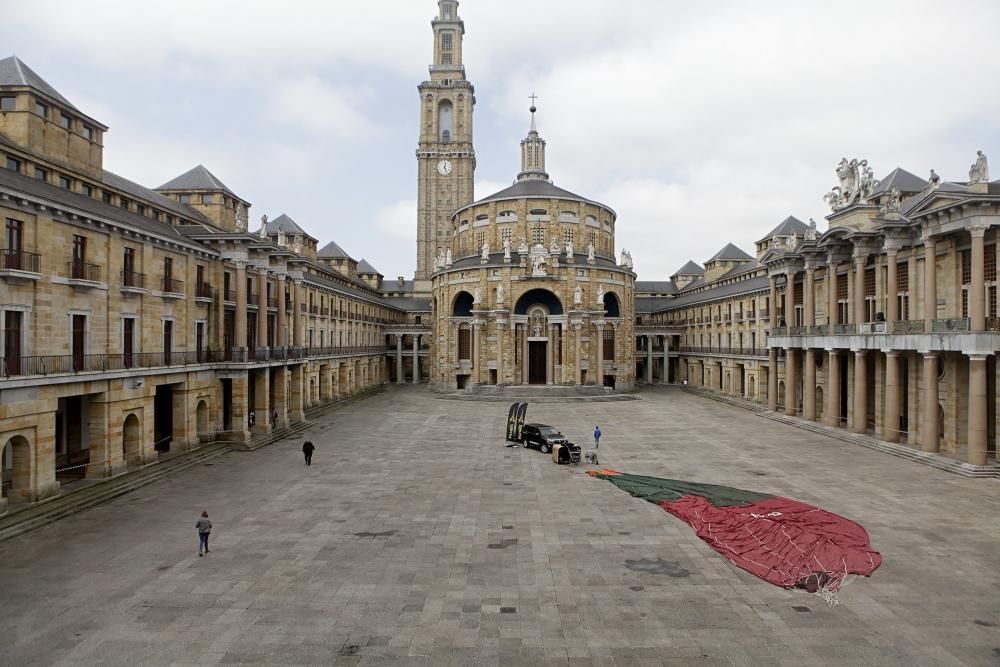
{"x":612,"y":307}
{"x":132,"y":441}
{"x":15,"y":478}
{"x":537,"y":351}
{"x":463,"y":305}
{"x":204,"y":430}
{"x":752,"y":390}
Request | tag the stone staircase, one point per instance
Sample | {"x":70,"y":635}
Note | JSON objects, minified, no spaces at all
{"x":537,"y":394}
{"x":75,"y":500}
{"x":936,"y":461}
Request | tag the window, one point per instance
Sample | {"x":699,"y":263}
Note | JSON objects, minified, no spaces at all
{"x":185,"y":199}
{"x":567,"y":236}
{"x":86,"y":190}
{"x":538,"y":235}
{"x":41,"y":174}
{"x":480,"y":239}
{"x":208,"y":199}
{"x":12,"y":337}
{"x":8,"y":103}
{"x":966,"y":267}
{"x":168,"y":270}
{"x":65,"y":121}
{"x":464,"y":344}
{"x":123,"y":202}
{"x":41,"y":109}
{"x":13,"y":164}
{"x":106,"y":197}
{"x":447,"y":41}
{"x":507,"y":235}
{"x":141,"y":209}
{"x":79,"y":249}
{"x":65,"y":183}
{"x":88,"y":132}
{"x":128,"y":267}
{"x":78,"y":340}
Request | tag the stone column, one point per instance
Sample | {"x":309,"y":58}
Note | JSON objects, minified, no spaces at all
{"x":579,"y":345}
{"x":666,"y":361}
{"x":859,"y":288}
{"x":240,"y":316}
{"x":262,"y":308}
{"x":281,"y":335}
{"x":977,"y":290}
{"x":809,"y":386}
{"x":476,"y":371}
{"x":281,"y":395}
{"x":860,"y":424}
{"x":296,"y":323}
{"x":500,"y":333}
{"x":789,"y":302}
{"x":831,"y":414}
{"x":809,"y":298}
{"x":649,"y":360}
{"x":890,"y":422}
{"x":416,"y":359}
{"x":977,"y":407}
{"x":772,"y":379}
{"x":930,"y":296}
{"x":550,"y":357}
{"x":791,"y":380}
{"x":929,"y":404}
{"x":262,"y":401}
{"x":524,"y":353}
{"x":599,"y":380}
{"x":773,"y":314}
{"x":831,"y":294}
{"x":296,"y":408}
{"x":891,"y":298}
{"x":400,"y":373}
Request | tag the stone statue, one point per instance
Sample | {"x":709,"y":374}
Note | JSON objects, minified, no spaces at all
{"x":569,"y":249}
{"x":811,"y":232}
{"x":933,"y":181}
{"x":835,"y":198}
{"x":554,"y":247}
{"x":892,"y":204}
{"x":600,"y":294}
{"x":578,"y":296}
{"x":440,"y":258}
{"x":484,"y":252}
{"x":477,"y":295}
{"x":980,"y":171}
{"x":263,"y":226}
{"x":522,"y":247}
{"x":506,"y":249}
{"x":538,"y":265}
{"x":847,"y":174}
{"x":591,"y":250}
{"x":626,"y":259}
{"x":499,"y":293}
{"x":866,"y":188}
{"x":447,"y":257}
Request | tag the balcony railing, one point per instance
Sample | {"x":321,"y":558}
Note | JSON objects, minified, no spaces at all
{"x":83,"y":271}
{"x":314,"y":310}
{"x":229,"y":295}
{"x":944,"y":326}
{"x":820,"y":330}
{"x":173,"y":286}
{"x":19,"y":260}
{"x":324,"y":312}
{"x":731,"y":351}
{"x":798,"y":331}
{"x":993,"y":323}
{"x":289,"y":306}
{"x":765,"y":314}
{"x":203,"y":291}
{"x":90,"y":363}
{"x":133,"y":279}
{"x":873,"y":328}
{"x":908,"y":327}
{"x":845,"y":329}
{"x":272,"y":302}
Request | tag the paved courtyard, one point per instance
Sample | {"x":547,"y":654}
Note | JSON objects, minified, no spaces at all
{"x":416,"y":538}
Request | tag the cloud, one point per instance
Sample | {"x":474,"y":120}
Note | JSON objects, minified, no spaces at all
{"x":699,"y":123}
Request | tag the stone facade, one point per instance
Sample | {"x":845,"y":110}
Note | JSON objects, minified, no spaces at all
{"x":857,"y":327}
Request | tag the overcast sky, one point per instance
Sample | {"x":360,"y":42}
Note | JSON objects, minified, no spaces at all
{"x":700,"y":123}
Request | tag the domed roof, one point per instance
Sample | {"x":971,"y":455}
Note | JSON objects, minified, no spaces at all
{"x":535,"y":189}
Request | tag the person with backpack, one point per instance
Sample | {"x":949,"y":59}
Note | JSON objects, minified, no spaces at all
{"x":204,"y":527}
{"x":597,"y":437}
{"x":307,"y":449}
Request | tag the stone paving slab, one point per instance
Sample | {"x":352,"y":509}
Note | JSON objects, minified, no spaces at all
{"x":417,"y":539}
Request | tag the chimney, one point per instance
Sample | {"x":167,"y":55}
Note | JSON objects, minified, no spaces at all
{"x":401,"y":282}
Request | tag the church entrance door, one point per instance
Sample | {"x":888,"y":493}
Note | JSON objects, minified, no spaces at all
{"x":536,"y":361}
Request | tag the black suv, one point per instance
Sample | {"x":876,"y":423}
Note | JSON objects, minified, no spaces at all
{"x":542,"y":436}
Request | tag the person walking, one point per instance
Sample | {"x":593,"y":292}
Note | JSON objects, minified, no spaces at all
{"x":597,"y":437}
{"x":307,"y":449}
{"x":204,"y":527}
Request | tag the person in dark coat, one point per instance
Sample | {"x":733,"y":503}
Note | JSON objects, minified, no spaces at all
{"x":307,"y":449}
{"x":204,"y":527}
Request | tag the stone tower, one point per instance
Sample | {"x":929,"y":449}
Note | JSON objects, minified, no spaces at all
{"x":446,"y":160}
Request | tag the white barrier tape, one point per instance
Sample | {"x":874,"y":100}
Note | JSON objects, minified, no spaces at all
{"x":83,"y":465}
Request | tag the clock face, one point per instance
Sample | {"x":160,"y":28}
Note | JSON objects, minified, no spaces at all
{"x":444,"y":167}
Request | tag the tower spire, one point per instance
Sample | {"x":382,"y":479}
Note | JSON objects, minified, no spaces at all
{"x":533,"y":151}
